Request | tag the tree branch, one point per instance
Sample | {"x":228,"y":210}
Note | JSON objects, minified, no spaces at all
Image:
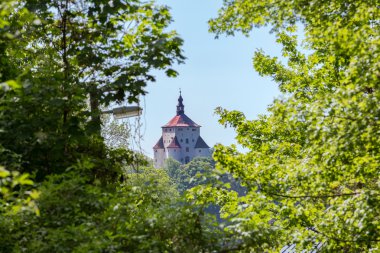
{"x":340,"y":239}
{"x":313,"y":196}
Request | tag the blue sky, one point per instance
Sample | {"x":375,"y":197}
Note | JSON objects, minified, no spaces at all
{"x":217,"y":72}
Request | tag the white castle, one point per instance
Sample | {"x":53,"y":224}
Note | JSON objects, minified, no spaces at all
{"x":180,"y":139}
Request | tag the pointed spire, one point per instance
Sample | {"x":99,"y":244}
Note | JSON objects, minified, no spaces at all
{"x":180,"y":106}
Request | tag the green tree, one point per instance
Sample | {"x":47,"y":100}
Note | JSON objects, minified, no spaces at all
{"x":197,"y":171}
{"x":191,"y":174}
{"x":116,"y":134}
{"x":71,"y":59}
{"x":61,"y":61}
{"x":172,"y":167}
{"x":143,"y":214}
{"x":312,"y":167}
{"x":16,"y":191}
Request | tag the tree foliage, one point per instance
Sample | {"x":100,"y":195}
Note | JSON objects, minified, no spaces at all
{"x":142,"y":214}
{"x":61,"y":61}
{"x":197,"y":171}
{"x":70,"y":58}
{"x":312,"y":169}
{"x":311,"y":174}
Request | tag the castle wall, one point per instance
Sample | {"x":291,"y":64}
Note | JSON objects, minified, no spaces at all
{"x":159,"y":158}
{"x":174,"y":153}
{"x":186,"y":133}
{"x":168,"y":135}
{"x":187,"y":137}
{"x":204,"y":152}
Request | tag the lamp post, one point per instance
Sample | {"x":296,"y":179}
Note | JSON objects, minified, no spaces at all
{"x":124,"y":112}
{"x":118,"y":113}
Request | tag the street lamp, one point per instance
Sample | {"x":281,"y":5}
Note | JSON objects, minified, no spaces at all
{"x":124,"y":112}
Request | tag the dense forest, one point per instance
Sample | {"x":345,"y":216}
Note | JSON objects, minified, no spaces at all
{"x":310,"y":176}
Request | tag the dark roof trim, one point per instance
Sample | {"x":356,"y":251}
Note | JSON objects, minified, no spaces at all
{"x":201,"y":143}
{"x":159,"y":144}
{"x":174,"y":143}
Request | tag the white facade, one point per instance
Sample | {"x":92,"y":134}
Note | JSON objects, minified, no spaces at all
{"x":180,"y":140}
{"x":159,"y":158}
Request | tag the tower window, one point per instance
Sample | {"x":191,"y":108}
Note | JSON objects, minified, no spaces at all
{"x":187,"y":149}
{"x":181,"y":140}
{"x":194,"y":129}
{"x":200,"y":151}
{"x":187,"y":140}
{"x":187,"y":159}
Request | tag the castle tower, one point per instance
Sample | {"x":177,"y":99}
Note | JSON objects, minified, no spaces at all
{"x":180,"y":139}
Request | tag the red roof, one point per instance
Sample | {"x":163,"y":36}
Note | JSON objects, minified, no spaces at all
{"x":159,"y":144}
{"x":174,"y":143}
{"x":201,"y":143}
{"x":181,"y":121}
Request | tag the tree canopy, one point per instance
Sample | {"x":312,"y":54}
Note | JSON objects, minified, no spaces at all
{"x":70,"y":58}
{"x":312,"y":169}
{"x":61,"y":61}
{"x":310,"y":177}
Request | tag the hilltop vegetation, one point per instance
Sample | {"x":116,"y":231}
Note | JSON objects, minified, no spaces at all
{"x":311,"y":173}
